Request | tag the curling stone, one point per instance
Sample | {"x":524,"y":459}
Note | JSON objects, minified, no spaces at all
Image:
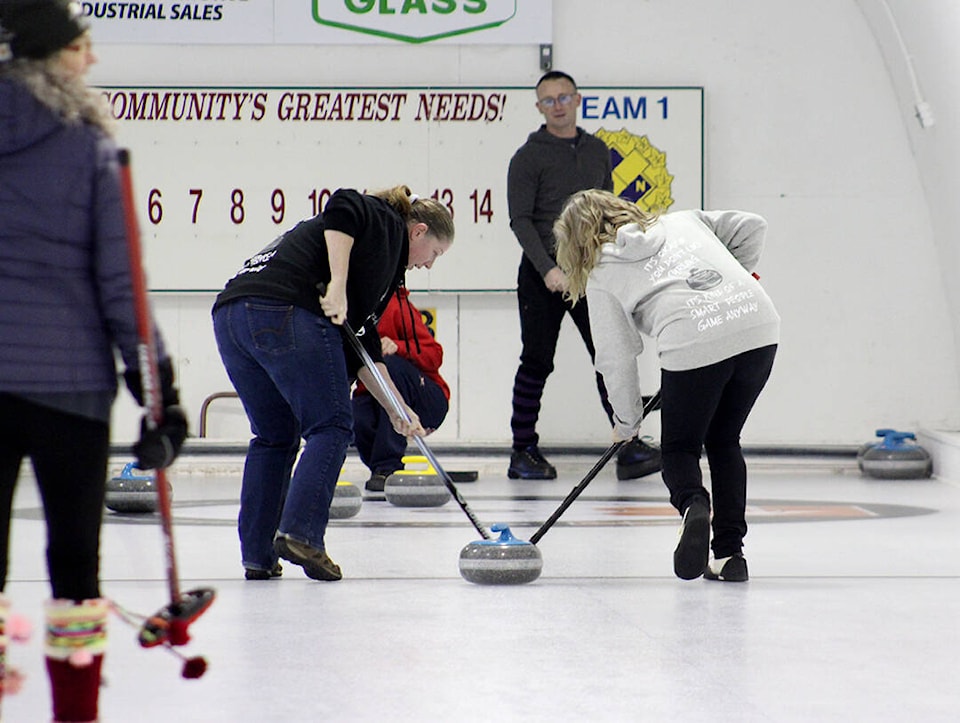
{"x":870,"y":445}
{"x":133,"y":490}
{"x":346,"y":502}
{"x":416,"y":487}
{"x":897,"y":457}
{"x":504,"y":561}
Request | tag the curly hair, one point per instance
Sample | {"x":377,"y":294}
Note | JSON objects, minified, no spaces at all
{"x":590,"y":219}
{"x":422,"y":210}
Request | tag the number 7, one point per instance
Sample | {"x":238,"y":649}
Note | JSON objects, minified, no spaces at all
{"x":198,"y":192}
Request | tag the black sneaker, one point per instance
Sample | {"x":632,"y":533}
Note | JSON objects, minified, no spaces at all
{"x":530,"y":464}
{"x":377,"y":482}
{"x":314,"y":562}
{"x":638,"y":459}
{"x":728,"y":569}
{"x":252,"y":573}
{"x":693,"y":548}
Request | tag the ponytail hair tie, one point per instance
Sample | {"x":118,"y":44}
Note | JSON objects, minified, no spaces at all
{"x":414,"y":198}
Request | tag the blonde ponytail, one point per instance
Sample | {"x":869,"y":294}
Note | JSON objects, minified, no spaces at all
{"x":422,"y":210}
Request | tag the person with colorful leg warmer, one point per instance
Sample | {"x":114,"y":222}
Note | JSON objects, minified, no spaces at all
{"x":76,"y":638}
{"x":67,"y":311}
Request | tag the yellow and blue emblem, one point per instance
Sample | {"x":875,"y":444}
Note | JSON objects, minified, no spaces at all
{"x":639,"y":170}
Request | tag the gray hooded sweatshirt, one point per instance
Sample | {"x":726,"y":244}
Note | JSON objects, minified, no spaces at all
{"x":687,"y":283}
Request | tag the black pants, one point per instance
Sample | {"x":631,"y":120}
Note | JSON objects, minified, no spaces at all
{"x":705,"y":409}
{"x":69,"y":455}
{"x":541,"y":313}
{"x":379,"y":446}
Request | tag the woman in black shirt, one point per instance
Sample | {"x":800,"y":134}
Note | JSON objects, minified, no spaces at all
{"x":283,"y":351}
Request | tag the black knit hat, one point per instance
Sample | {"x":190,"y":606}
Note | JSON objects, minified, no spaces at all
{"x":38,"y":28}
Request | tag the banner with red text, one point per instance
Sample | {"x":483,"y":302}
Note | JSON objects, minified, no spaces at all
{"x":220,"y":172}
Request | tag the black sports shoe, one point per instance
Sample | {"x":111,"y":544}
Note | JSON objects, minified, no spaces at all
{"x":693,"y":548}
{"x":314,"y":562}
{"x":728,"y":569}
{"x":637,"y":459}
{"x":377,"y":482}
{"x":252,"y":573}
{"x":530,"y":464}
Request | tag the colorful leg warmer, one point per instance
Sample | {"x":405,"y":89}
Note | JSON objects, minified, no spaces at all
{"x":15,"y":628}
{"x":75,"y":642}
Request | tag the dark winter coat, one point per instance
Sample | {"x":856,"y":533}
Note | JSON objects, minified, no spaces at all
{"x":66,"y":299}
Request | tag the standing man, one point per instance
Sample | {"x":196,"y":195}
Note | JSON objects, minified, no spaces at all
{"x":557,"y":160}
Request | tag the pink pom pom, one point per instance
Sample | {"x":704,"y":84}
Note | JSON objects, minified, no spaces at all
{"x":80,"y":658}
{"x":12,"y":682}
{"x":194,"y":667}
{"x":19,"y":628}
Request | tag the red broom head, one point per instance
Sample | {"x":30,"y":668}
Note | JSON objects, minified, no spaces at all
{"x":178,"y":634}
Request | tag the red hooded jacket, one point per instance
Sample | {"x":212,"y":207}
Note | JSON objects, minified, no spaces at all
{"x":402,"y":322}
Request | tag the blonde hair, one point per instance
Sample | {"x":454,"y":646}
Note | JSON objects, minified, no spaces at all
{"x":421,"y":210}
{"x":590,"y":219}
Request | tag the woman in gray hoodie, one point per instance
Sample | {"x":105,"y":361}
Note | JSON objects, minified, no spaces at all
{"x":684,"y":279}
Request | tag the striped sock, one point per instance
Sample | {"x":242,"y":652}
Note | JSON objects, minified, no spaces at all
{"x":75,"y":641}
{"x":527,"y":393}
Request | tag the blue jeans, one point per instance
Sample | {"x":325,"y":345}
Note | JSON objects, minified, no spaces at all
{"x":288,"y":368}
{"x":379,"y":446}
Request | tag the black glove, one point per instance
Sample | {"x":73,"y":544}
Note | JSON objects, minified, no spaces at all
{"x":158,"y":447}
{"x":169,"y":395}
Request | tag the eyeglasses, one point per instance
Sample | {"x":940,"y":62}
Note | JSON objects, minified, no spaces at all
{"x":564,"y":99}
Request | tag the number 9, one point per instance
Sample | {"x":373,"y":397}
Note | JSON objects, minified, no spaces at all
{"x":279,"y":204}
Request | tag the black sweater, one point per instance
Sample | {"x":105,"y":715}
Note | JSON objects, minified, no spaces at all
{"x":291,"y":267}
{"x":544,"y":172}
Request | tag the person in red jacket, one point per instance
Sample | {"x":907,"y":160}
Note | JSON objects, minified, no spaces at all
{"x":413,"y":358}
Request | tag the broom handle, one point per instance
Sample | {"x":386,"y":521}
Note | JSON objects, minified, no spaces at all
{"x":147,"y":361}
{"x":398,"y":408}
{"x":575,"y":492}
